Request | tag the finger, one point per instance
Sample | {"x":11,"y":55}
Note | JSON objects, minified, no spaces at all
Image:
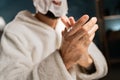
{"x":82,"y":20}
{"x":78,"y":24}
{"x":93,"y":30}
{"x":72,"y":21}
{"x":92,"y":37}
{"x":81,"y":33}
{"x":66,"y":21}
{"x":90,"y":23}
{"x":87,"y":36}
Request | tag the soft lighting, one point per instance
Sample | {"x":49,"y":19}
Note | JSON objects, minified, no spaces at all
{"x":112,"y":23}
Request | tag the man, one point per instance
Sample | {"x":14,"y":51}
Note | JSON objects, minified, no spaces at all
{"x":33,"y":48}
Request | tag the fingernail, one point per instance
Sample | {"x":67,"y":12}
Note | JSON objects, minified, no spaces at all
{"x":94,"y":18}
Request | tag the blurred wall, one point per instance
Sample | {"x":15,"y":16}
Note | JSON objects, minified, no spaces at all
{"x":9,"y":8}
{"x":111,"y":7}
{"x":77,"y":8}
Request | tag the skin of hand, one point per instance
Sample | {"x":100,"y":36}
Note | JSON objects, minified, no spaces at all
{"x":76,"y":39}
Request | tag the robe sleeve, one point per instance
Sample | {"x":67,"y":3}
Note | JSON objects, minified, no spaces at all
{"x":53,"y":68}
{"x":16,"y":62}
{"x":100,"y":65}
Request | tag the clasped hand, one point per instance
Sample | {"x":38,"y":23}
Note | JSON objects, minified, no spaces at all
{"x":76,"y":39}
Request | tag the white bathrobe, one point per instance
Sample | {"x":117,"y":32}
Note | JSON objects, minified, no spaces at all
{"x":29,"y":51}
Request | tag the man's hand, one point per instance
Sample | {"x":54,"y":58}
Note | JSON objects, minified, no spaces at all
{"x":76,"y":40}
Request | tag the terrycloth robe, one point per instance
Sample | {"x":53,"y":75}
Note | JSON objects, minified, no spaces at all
{"x":29,"y":51}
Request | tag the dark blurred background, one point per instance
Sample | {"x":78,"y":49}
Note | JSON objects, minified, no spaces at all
{"x":107,"y":37}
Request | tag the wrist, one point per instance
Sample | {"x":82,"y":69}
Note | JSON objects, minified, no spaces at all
{"x":85,"y":61}
{"x":89,"y":70}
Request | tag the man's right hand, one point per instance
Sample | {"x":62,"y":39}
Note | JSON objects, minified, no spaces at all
{"x":75,"y":42}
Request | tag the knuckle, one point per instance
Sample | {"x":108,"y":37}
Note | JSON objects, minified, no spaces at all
{"x":89,"y":40}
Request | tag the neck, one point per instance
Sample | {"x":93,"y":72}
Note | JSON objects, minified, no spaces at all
{"x":51,"y":22}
